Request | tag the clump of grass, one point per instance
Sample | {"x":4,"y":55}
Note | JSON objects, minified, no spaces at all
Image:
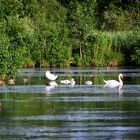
{"x":115,"y":48}
{"x":102,"y":48}
{"x":126,"y":42}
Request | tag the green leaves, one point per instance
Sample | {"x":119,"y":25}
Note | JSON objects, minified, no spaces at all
{"x":10,"y":61}
{"x":59,"y":33}
{"x":11,"y":54}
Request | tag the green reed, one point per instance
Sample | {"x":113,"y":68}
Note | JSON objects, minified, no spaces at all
{"x":112,"y":48}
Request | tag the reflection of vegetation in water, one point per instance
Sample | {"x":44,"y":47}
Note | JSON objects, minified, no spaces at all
{"x":18,"y":104}
{"x":41,"y":115}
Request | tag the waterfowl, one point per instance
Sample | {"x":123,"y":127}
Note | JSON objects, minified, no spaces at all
{"x":88,"y":82}
{"x":72,"y":82}
{"x":11,"y":81}
{"x":68,"y":82}
{"x":114,"y":83}
{"x":50,"y":76}
{"x":65,"y":82}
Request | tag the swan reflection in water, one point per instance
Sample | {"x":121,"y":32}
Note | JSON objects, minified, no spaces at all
{"x":50,"y":86}
{"x":120,"y":88}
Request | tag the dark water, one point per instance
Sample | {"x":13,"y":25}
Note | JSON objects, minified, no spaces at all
{"x":34,"y":110}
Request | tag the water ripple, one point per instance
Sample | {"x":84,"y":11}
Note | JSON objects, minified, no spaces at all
{"x":70,"y":89}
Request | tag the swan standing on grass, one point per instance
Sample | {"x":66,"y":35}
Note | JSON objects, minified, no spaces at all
{"x":50,"y":76}
{"x":114,"y":83}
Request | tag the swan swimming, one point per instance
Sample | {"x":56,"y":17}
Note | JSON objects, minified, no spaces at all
{"x":50,"y":76}
{"x":68,"y":82}
{"x":114,"y":83}
{"x":72,"y":82}
{"x":65,"y":82}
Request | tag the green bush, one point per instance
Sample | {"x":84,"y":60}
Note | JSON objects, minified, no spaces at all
{"x":64,"y":33}
{"x":11,"y":59}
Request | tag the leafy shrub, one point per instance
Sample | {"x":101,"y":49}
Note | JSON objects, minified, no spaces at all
{"x":10,"y":59}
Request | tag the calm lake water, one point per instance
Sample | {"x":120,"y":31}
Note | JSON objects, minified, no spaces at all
{"x":34,"y":110}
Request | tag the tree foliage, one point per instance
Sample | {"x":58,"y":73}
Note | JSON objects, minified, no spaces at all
{"x":68,"y":32}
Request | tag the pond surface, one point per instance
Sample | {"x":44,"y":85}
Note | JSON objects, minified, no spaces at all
{"x":35,"y":110}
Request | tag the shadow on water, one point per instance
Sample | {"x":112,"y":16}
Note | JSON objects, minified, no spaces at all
{"x":36,"y":110}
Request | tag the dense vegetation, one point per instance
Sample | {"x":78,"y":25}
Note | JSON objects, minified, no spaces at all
{"x":68,"y":32}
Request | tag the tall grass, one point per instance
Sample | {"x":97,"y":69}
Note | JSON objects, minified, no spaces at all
{"x":103,"y":52}
{"x":102,"y":47}
{"x":127,"y":43}
{"x":114,"y":48}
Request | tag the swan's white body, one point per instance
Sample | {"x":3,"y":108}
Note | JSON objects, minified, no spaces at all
{"x":114,"y":83}
{"x":50,"y":76}
{"x":65,"y":82}
{"x":68,"y":82}
{"x":88,"y":82}
{"x":72,"y":82}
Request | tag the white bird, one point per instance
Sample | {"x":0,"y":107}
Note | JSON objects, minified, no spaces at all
{"x":114,"y":83}
{"x":50,"y":76}
{"x":65,"y":82}
{"x":88,"y":82}
{"x":72,"y":82}
{"x":68,"y":82}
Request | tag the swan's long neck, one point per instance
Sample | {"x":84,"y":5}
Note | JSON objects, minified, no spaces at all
{"x":120,"y":80}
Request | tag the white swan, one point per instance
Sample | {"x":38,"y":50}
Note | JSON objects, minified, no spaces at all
{"x":114,"y":83}
{"x":72,"y":82}
{"x":88,"y":82}
{"x":65,"y":82}
{"x":68,"y":82}
{"x":50,"y":76}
